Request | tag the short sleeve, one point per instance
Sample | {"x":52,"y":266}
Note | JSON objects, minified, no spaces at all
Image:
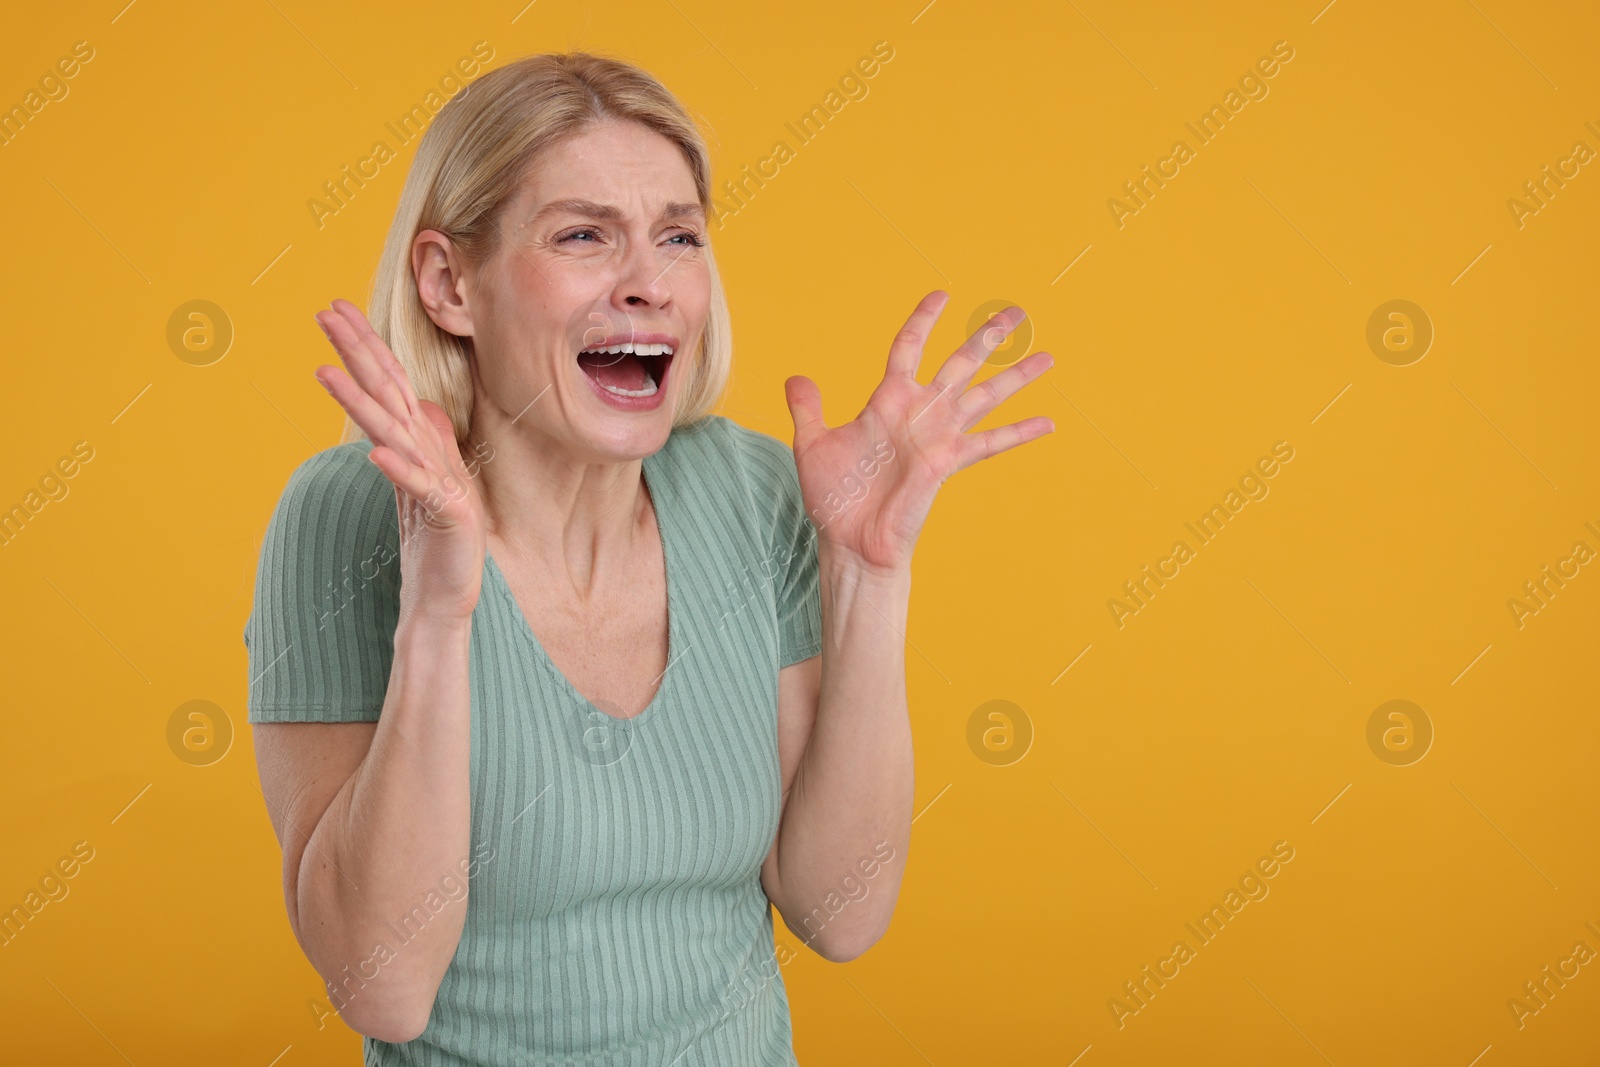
{"x":320,"y":636}
{"x":791,"y":548}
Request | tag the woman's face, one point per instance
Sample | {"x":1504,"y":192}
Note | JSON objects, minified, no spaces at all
{"x":601,"y":248}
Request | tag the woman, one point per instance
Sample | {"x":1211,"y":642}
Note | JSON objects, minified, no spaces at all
{"x":558,"y":679}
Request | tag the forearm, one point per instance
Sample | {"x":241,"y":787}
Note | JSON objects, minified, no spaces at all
{"x":847,"y":822}
{"x":397,"y":829}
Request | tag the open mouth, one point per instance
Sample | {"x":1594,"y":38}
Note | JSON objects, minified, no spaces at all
{"x":628,"y":369}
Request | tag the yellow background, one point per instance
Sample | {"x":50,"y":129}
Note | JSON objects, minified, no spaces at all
{"x":1228,"y":314}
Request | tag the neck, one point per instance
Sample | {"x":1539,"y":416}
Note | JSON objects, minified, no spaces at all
{"x":560,"y":516}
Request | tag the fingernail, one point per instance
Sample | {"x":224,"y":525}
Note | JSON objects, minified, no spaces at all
{"x":317,"y":318}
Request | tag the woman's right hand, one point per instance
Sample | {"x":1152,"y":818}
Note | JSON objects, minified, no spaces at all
{"x":442,"y":528}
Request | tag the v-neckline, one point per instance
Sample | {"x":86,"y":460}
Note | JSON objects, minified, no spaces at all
{"x":658,"y":505}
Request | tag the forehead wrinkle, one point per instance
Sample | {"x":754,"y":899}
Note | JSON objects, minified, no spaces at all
{"x":611,"y":213}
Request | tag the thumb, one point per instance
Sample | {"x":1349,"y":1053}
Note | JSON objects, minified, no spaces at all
{"x":436,"y":415}
{"x":443,"y":427}
{"x":805,"y":407}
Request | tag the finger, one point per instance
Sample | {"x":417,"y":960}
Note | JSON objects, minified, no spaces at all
{"x":965,"y":361}
{"x":367,"y":357}
{"x":382,"y":427}
{"x":360,"y":364}
{"x":361,"y":351}
{"x":410,"y":479}
{"x":972,"y":405}
{"x":458,"y":483}
{"x":385,"y":356}
{"x":805,"y":408}
{"x":905,"y":353}
{"x":356,"y":352}
{"x":420,"y":496}
{"x":981,"y":446}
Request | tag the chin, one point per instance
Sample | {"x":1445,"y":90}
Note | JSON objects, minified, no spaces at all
{"x":618,"y":439}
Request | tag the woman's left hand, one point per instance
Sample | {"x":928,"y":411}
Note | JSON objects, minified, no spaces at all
{"x":868,"y":485}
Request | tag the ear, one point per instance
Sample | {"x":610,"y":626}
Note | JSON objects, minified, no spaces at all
{"x":439,"y":272}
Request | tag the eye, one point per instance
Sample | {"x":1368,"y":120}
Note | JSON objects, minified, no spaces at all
{"x":687,"y":239}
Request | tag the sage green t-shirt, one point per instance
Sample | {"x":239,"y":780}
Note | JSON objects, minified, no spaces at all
{"x":615,"y":913}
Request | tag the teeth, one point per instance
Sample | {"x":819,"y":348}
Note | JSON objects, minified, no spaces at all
{"x":648,"y":390}
{"x":633,"y":349}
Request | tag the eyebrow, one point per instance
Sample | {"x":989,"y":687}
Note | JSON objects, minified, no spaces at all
{"x":609,"y":213}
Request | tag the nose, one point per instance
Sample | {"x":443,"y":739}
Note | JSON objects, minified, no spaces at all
{"x":643,"y":281}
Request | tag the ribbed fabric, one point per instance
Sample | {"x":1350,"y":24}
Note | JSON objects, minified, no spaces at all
{"x":614,"y":912}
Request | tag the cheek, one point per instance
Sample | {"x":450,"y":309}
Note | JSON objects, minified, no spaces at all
{"x":515,"y":361}
{"x":694,"y":299}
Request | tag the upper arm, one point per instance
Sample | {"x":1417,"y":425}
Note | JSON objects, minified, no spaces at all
{"x":303,"y":766}
{"x":319,"y":641}
{"x":791,"y":548}
{"x":320,"y":635}
{"x":789,"y":545}
{"x":799,"y":685}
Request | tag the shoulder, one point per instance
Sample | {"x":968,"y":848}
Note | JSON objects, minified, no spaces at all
{"x":340,"y":463}
{"x":339,"y":468}
{"x":746,"y":479}
{"x":750,"y":469}
{"x":716,"y":445}
{"x":327,"y":591}
{"x":334,"y":500}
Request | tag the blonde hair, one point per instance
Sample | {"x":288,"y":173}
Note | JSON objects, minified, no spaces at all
{"x":471,"y":162}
